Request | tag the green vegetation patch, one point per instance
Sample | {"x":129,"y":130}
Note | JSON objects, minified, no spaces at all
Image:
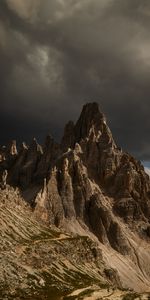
{"x":130,"y":296}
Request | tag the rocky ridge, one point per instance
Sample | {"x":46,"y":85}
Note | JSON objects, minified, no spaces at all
{"x":88,"y":185}
{"x":38,"y":262}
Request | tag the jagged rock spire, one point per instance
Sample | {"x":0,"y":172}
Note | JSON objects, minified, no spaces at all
{"x":35,"y":147}
{"x":90,"y":116}
{"x":13,"y":148}
{"x":90,"y":125}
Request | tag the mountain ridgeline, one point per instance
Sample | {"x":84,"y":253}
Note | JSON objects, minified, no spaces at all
{"x":89,"y":186}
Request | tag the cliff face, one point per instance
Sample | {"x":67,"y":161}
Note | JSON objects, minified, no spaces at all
{"x":39,"y":262}
{"x":86,"y":183}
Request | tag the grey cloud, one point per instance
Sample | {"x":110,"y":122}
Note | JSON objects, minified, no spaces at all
{"x":56,"y":55}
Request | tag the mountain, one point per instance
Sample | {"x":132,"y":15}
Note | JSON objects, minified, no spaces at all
{"x":86,"y":195}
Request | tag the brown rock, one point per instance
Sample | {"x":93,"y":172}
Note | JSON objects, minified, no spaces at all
{"x":87,"y":178}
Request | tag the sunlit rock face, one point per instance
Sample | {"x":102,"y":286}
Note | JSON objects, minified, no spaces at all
{"x":77,"y":173}
{"x":84,"y":182}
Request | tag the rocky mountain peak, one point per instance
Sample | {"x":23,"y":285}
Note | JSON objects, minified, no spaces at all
{"x":68,"y":139}
{"x":35,"y":147}
{"x":23,"y":147}
{"x":86,"y":184}
{"x":91,"y":126}
{"x":90,"y":117}
{"x":12,"y":148}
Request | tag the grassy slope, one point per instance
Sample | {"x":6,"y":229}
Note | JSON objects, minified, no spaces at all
{"x":37,"y":262}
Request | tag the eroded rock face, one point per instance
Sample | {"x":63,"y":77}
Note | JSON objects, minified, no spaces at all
{"x":30,"y":164}
{"x":50,"y":152}
{"x":3,"y":179}
{"x":85,"y":178}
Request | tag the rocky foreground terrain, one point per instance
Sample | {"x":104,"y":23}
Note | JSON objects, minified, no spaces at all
{"x":74,"y":217}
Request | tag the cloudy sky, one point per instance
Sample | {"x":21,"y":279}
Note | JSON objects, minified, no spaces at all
{"x":55,"y":55}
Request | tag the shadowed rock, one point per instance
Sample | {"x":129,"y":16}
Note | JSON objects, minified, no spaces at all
{"x":87,"y":178}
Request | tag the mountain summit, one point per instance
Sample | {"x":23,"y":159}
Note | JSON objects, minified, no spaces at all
{"x":87,"y":185}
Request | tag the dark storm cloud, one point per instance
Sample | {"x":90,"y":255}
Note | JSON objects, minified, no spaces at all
{"x":56,"y":55}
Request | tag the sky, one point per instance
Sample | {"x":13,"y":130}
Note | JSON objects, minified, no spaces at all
{"x":56,"y":55}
